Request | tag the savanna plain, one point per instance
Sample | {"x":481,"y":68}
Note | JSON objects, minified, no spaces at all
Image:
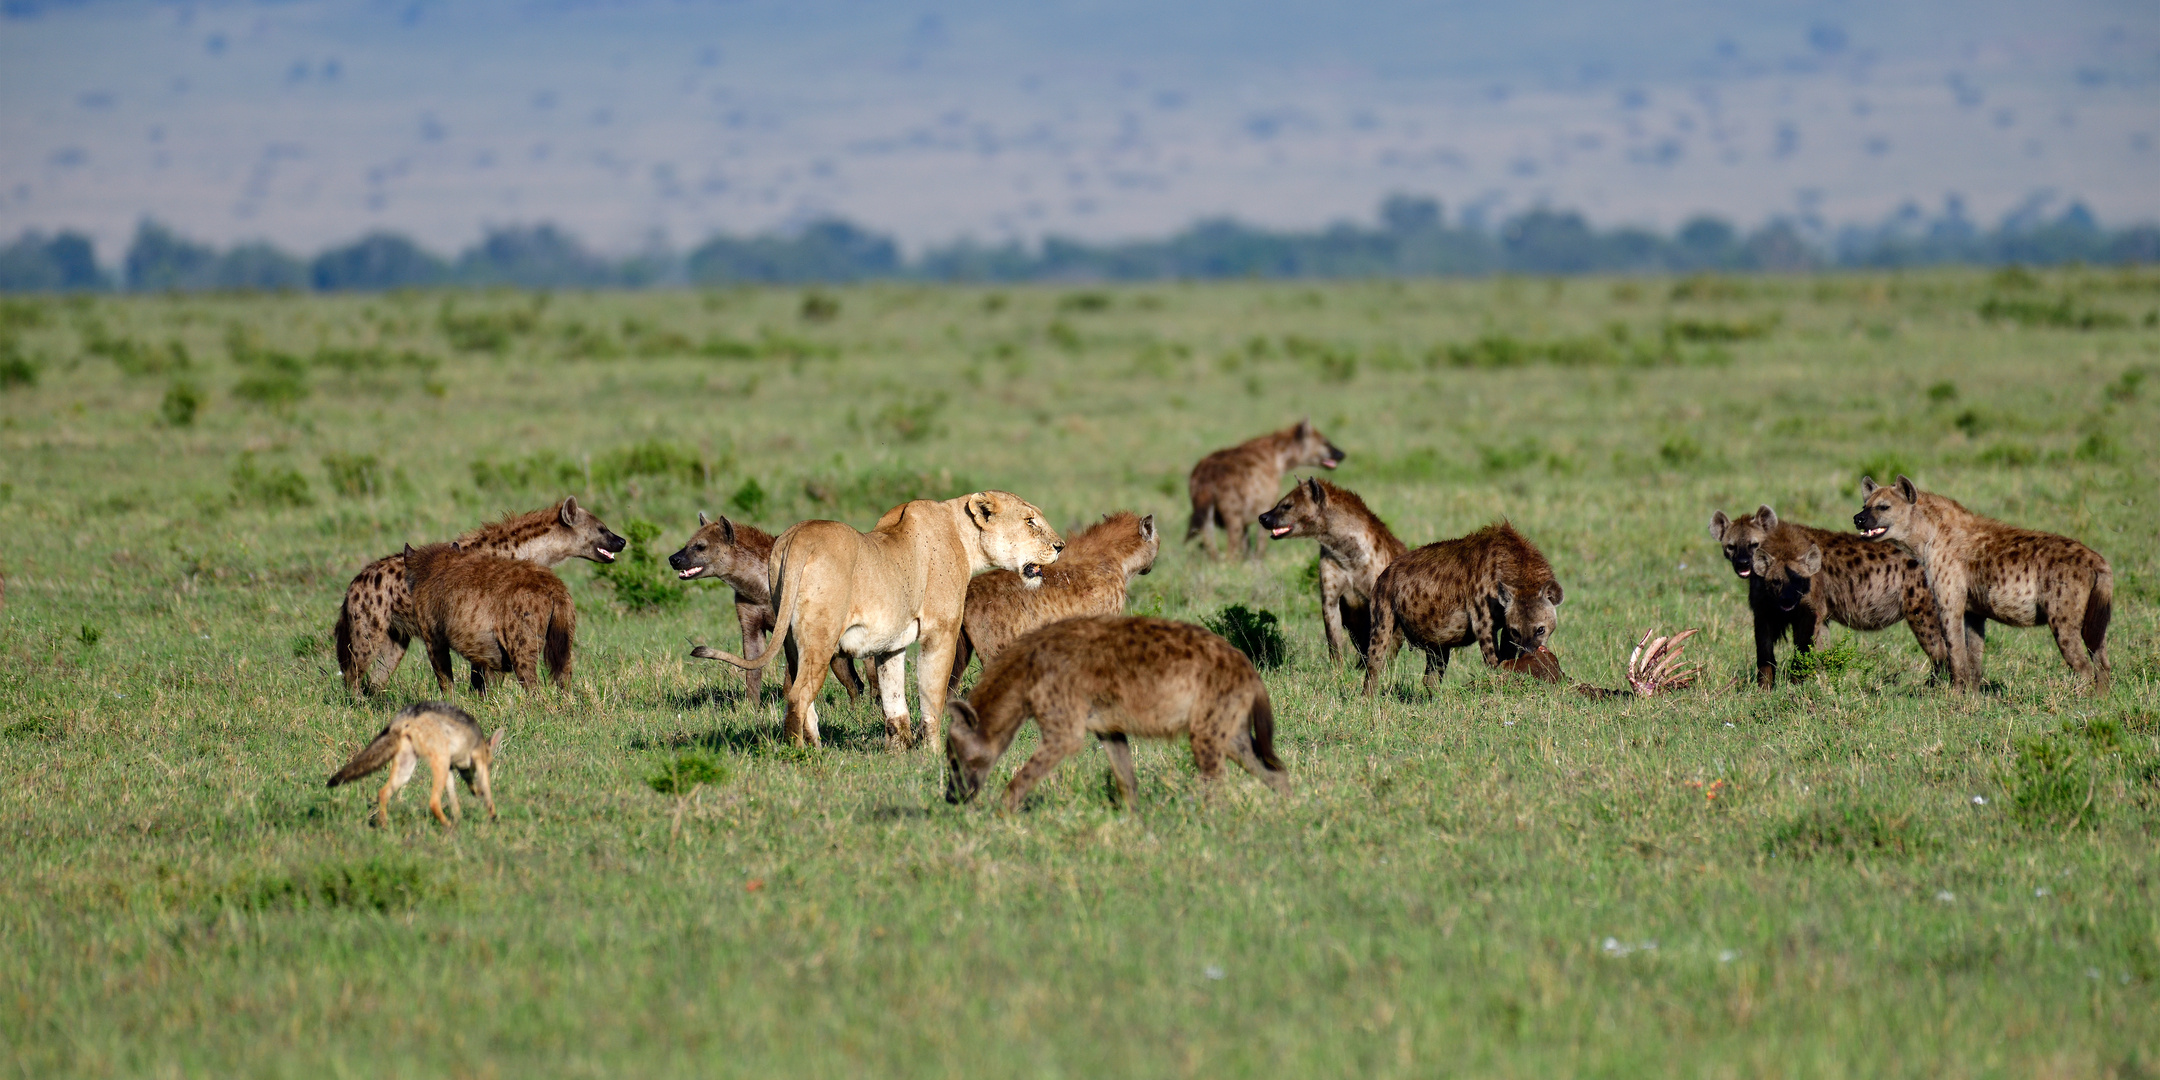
{"x":1856,"y":874}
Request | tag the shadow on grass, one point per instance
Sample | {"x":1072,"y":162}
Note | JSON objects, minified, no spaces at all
{"x":766,"y":740}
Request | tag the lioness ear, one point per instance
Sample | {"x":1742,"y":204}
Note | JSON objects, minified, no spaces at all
{"x":701,"y":522}
{"x":568,"y":513}
{"x":1147,"y":527}
{"x":1319,"y":494}
{"x":980,"y":508}
{"x":1907,"y":489}
{"x":1868,"y":486}
{"x":1811,"y":563}
{"x":1766,"y":517}
{"x":495,"y":742}
{"x":1553,"y":594}
{"x":1718,"y":522}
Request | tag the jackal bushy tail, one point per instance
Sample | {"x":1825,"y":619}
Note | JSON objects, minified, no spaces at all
{"x":371,"y":757}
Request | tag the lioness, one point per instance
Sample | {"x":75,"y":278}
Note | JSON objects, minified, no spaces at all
{"x":874,"y":594}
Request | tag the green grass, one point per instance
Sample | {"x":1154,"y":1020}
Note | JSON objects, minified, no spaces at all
{"x":1857,"y":875}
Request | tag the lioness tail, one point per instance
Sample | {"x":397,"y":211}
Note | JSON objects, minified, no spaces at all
{"x":784,"y":601}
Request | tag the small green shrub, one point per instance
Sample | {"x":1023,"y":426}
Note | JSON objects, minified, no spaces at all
{"x":2013,"y":455}
{"x":1086,"y":302}
{"x":354,"y":475}
{"x":1849,"y":831}
{"x":1680,"y":450}
{"x":182,"y":401}
{"x":1257,"y":634}
{"x":1828,"y":663}
{"x":276,"y":380}
{"x":546,"y":470}
{"x":2125,"y":387}
{"x":2062,"y":314}
{"x":89,"y":636}
{"x":485,"y":331}
{"x":1722,"y":331}
{"x":2051,"y":784}
{"x":686,"y":772}
{"x":1943,"y":393}
{"x":820,"y":307}
{"x":749,"y":499}
{"x":637,"y":577}
{"x":273,"y":488}
{"x":381,"y":885}
{"x":35,"y":727}
{"x":306,"y":645}
{"x":16,"y":369}
{"x":913,"y":420}
{"x":651,"y":459}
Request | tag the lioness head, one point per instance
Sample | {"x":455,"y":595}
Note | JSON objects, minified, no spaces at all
{"x":1303,"y":512}
{"x":595,"y":540}
{"x":1742,"y":537}
{"x":1532,"y":616}
{"x":1312,"y":448}
{"x":1013,"y":533}
{"x":1886,"y":513}
{"x":711,"y":551}
{"x":1786,"y":562}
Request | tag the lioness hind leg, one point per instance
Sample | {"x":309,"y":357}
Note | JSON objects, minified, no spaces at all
{"x":892,"y":698}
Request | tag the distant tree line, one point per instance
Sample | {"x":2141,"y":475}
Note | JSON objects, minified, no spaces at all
{"x":1411,"y":238}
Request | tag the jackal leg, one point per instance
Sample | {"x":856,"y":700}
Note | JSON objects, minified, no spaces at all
{"x":401,"y":770}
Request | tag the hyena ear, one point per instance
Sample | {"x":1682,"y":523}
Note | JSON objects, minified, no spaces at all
{"x":1319,"y":494}
{"x":701,"y":522}
{"x":1811,"y":563}
{"x":727,"y":529}
{"x":963,"y":717}
{"x":1766,"y":517}
{"x":408,"y":549}
{"x":1507,"y":596}
{"x":1304,"y":427}
{"x":1907,"y":489}
{"x":1868,"y":486}
{"x":1553,"y":593}
{"x":1718,"y":522}
{"x":495,"y":742}
{"x":568,"y":513}
{"x":1147,"y":527}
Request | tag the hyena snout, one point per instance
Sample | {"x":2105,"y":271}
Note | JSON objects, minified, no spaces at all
{"x":610,"y":545}
{"x":687,"y":564}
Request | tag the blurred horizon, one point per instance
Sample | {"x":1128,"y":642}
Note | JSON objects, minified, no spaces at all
{"x":654,"y":125}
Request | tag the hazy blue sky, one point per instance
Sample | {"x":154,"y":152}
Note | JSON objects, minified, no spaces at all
{"x":630,"y":121}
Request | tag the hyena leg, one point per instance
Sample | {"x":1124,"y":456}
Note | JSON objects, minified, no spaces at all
{"x":1240,"y":748}
{"x":2066,"y":623}
{"x":1062,"y":735}
{"x":1435,"y":669}
{"x":753,"y":644}
{"x":1975,"y":648}
{"x":1120,"y":751}
{"x":387,"y":657}
{"x":1207,"y":756}
{"x":438,"y":654}
{"x":401,"y":770}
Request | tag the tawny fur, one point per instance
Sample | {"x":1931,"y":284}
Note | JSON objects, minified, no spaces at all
{"x":1492,"y":587}
{"x":1355,"y":546}
{"x":375,"y":622}
{"x":501,"y":615}
{"x":1091,"y":577}
{"x":741,"y":556}
{"x":1231,"y":487}
{"x":444,"y":736}
{"x":1113,"y":676}
{"x":836,"y":590}
{"x":1801,"y":577}
{"x":1979,"y":569}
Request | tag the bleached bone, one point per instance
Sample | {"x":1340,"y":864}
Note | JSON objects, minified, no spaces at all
{"x":1654,"y":667}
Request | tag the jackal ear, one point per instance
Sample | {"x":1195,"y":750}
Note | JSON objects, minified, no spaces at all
{"x":1718,"y":523}
{"x":1868,"y":486}
{"x":1907,"y":489}
{"x":1147,"y":527}
{"x":1319,"y":494}
{"x":568,"y":512}
{"x":701,"y":522}
{"x":1811,"y":563}
{"x":495,"y":742}
{"x":1765,"y":517}
{"x":1553,"y":593}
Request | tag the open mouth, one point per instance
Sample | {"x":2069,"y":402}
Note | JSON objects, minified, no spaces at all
{"x":692,"y":572}
{"x":1743,"y":571}
{"x":1279,"y":531}
{"x":1788,"y":607}
{"x":604,"y":554}
{"x":1330,"y":463}
{"x":1031,"y":571}
{"x":1875,"y":532}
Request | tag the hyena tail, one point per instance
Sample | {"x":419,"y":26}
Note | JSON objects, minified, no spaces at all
{"x":1263,"y":731}
{"x":1201,"y":515}
{"x":371,"y":757}
{"x":347,"y":664}
{"x":2099,"y":607}
{"x":561,"y":629}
